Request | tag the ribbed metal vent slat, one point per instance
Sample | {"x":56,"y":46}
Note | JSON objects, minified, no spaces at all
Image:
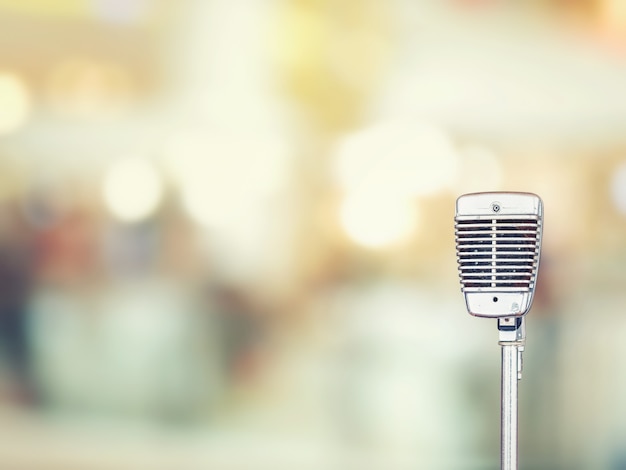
{"x":498,"y":253}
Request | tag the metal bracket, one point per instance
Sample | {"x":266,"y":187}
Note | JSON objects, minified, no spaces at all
{"x":512,"y":332}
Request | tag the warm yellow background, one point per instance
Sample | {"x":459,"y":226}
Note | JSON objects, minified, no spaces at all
{"x":226,"y":232}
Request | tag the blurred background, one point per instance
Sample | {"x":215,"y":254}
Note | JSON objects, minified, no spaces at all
{"x":226,"y":232}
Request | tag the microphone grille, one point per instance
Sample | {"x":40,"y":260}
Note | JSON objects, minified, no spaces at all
{"x":498,"y":253}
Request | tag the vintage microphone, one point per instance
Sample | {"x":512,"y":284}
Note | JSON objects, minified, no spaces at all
{"x":498,"y":244}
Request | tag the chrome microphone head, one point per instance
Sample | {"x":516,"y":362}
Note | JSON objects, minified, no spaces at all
{"x":498,"y":245}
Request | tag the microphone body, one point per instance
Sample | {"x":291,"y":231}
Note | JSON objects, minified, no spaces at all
{"x":498,"y":241}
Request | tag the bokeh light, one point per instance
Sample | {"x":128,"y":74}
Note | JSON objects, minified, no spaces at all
{"x":120,"y":11}
{"x":218,"y":168}
{"x":133,"y":189}
{"x":377,"y":220}
{"x":15,"y":102}
{"x":411,"y":157}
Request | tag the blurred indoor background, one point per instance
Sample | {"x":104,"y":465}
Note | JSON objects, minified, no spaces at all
{"x":226,"y":232}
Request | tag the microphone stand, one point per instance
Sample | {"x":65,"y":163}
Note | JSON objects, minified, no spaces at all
{"x":512,"y":338}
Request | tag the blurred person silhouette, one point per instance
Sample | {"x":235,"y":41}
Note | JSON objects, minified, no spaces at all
{"x":242,"y":332}
{"x":67,"y":250}
{"x":117,"y":307}
{"x":542,"y":376}
{"x":16,"y":281}
{"x":66,"y":272}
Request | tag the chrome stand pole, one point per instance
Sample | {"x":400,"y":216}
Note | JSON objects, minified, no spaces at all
{"x":512,"y":340}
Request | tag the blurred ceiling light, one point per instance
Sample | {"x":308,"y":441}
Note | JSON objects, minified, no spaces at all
{"x":121,"y":11}
{"x":15,"y":103}
{"x":377,"y":220}
{"x":480,"y":170}
{"x":207,"y":205}
{"x":618,"y":188}
{"x":85,"y":87}
{"x":222,"y":177}
{"x":133,"y":189}
{"x":413,"y":158}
